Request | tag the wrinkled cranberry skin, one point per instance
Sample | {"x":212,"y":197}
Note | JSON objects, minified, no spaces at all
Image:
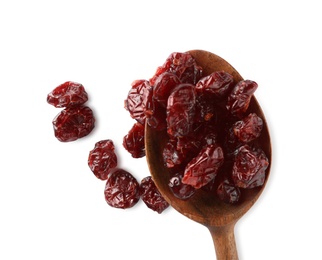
{"x":180,"y":190}
{"x":181,"y":110}
{"x":183,"y":65}
{"x":102,"y":159}
{"x":249,"y":167}
{"x":240,"y":96}
{"x":136,"y":102}
{"x":68,"y":94}
{"x":228,"y":192}
{"x":163,"y":86}
{"x":171,"y":155}
{"x":216,"y":84}
{"x":204,"y":167}
{"x":151,"y":195}
{"x":133,"y":142}
{"x":73,"y":123}
{"x":122,"y":190}
{"x":249,"y":128}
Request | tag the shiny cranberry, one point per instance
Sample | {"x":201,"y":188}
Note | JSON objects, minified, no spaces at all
{"x":102,"y":159}
{"x":122,"y":190}
{"x":249,"y":128}
{"x":68,"y":94}
{"x":228,"y":192}
{"x":133,"y":142}
{"x":240,"y":96}
{"x":249,"y":167}
{"x":179,"y":189}
{"x":151,"y":196}
{"x":181,"y":110}
{"x":73,"y":123}
{"x":204,"y":167}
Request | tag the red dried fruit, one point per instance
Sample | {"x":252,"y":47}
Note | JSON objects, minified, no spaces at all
{"x":151,"y":195}
{"x":133,"y":142}
{"x":204,"y":167}
{"x":163,"y":86}
{"x":240,"y":96}
{"x":171,"y":155}
{"x":135,"y":102}
{"x":122,"y":190}
{"x":228,"y":192}
{"x":181,"y":110}
{"x":73,"y":123}
{"x":180,"y":190}
{"x":181,"y":64}
{"x":102,"y":159}
{"x":216,"y":84}
{"x":249,"y":167}
{"x":68,"y":94}
{"x":249,"y":128}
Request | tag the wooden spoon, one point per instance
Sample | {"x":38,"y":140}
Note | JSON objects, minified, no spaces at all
{"x":220,"y":218}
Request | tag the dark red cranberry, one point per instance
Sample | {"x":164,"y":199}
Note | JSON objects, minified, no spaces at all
{"x":180,"y":190}
{"x":240,"y":96}
{"x":68,"y":94}
{"x":133,"y":142}
{"x":122,"y":190}
{"x":249,"y":167}
{"x":217,"y":84}
{"x":204,"y":167}
{"x":181,"y":64}
{"x":171,"y":155}
{"x":102,"y":159}
{"x":163,"y":86}
{"x":181,"y":110}
{"x":135,"y":102}
{"x":228,"y":192}
{"x":249,"y":128}
{"x":73,"y":123}
{"x":151,"y":196}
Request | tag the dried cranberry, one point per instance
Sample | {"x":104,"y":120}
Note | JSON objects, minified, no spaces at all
{"x":135,"y":102}
{"x":68,"y":94}
{"x":216,"y":84}
{"x":163,"y":86}
{"x":204,"y":167}
{"x":73,"y":123}
{"x":181,"y":64}
{"x":249,"y":167}
{"x":228,"y":192}
{"x":181,"y":110}
{"x":179,"y":189}
{"x":249,"y":128}
{"x":171,"y":155}
{"x":133,"y":142}
{"x":240,"y":96}
{"x":102,"y":159}
{"x":151,"y":195}
{"x":122,"y":190}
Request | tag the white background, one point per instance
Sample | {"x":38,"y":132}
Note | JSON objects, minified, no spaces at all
{"x":52,"y":206}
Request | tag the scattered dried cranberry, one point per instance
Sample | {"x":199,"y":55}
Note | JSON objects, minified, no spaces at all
{"x":151,"y":195}
{"x":204,"y":167}
{"x":133,"y":142}
{"x":228,"y":192}
{"x":102,"y":159}
{"x":183,"y":65}
{"x":122,"y":190}
{"x":249,"y":167}
{"x":181,"y":110}
{"x":68,"y":94}
{"x":135,"y":102}
{"x":239,"y":98}
{"x":179,"y":189}
{"x":216,"y":84}
{"x":73,"y":123}
{"x":249,"y":128}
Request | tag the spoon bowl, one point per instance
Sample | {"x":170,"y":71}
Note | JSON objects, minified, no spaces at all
{"x":219,"y":217}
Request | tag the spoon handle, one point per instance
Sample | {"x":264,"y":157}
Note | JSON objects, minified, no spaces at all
{"x":224,"y":241}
